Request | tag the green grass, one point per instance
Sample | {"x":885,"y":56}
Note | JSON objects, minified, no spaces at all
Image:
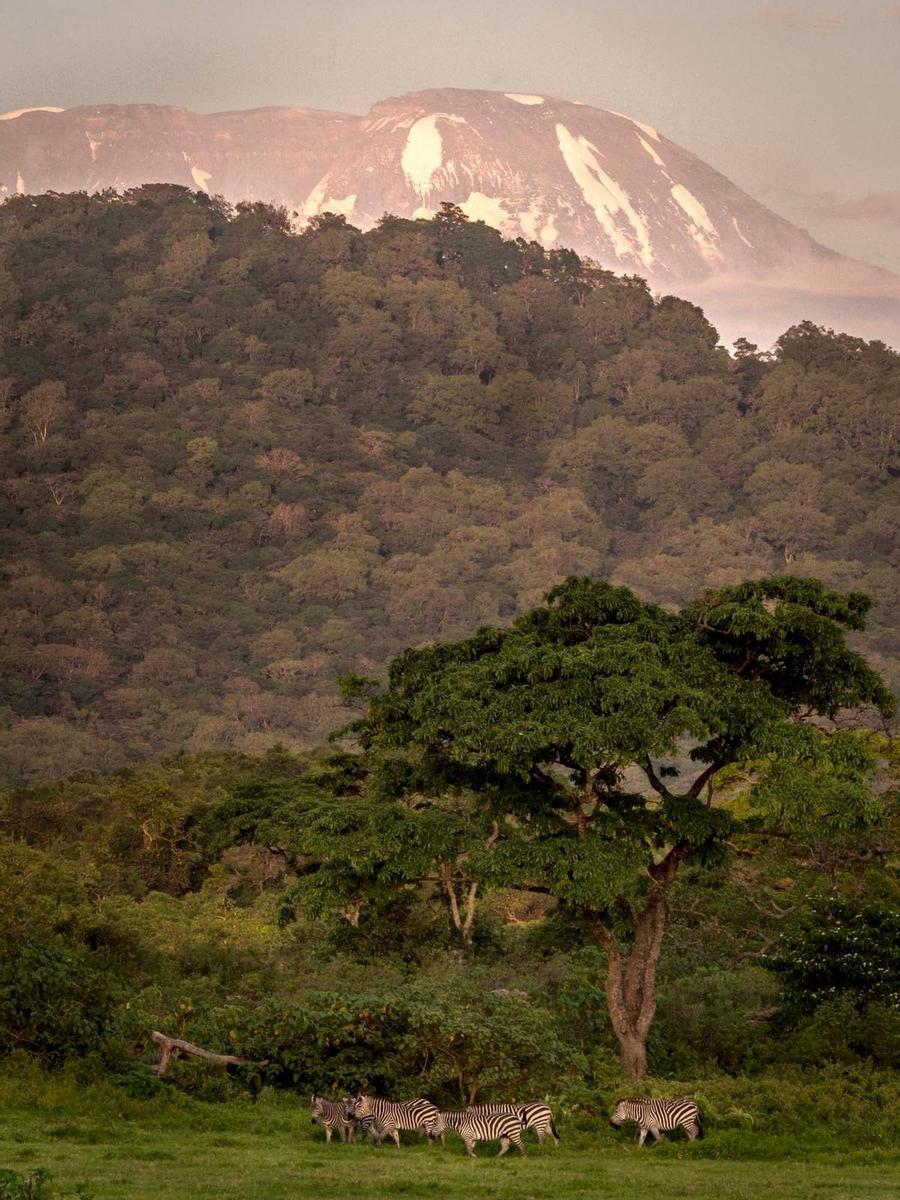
{"x":180,"y":1150}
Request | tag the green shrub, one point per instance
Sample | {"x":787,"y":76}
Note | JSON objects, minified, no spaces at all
{"x":715,"y":1017}
{"x":453,"y":1040}
{"x":54,"y":1003}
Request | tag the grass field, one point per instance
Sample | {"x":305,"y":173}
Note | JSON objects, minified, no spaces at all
{"x":271,"y":1152}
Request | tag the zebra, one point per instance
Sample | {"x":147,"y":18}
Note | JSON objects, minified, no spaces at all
{"x":659,"y":1116}
{"x":333,"y":1114}
{"x":392,"y":1116}
{"x":534,"y":1115}
{"x":474,"y":1126}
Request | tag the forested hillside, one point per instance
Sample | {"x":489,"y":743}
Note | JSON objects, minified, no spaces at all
{"x":240,"y":462}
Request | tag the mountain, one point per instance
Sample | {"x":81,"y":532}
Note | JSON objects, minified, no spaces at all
{"x":552,"y":171}
{"x":271,"y":154}
{"x":559,"y":173}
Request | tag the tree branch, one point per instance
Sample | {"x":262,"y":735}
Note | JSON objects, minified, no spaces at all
{"x":697,"y":786}
{"x":655,"y":782}
{"x":173,"y":1047}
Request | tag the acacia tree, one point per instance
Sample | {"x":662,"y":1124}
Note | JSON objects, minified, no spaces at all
{"x":591,"y":731}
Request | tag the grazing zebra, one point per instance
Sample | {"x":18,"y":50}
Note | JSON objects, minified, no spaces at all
{"x":473,"y":1126}
{"x":659,"y":1116}
{"x":392,"y":1116}
{"x":333,"y":1114}
{"x":533,"y":1114}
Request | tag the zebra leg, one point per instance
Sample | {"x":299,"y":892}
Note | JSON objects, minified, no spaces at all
{"x":654,"y":1129}
{"x":504,"y":1146}
{"x":540,"y":1136}
{"x":327,"y":1134}
{"x":517,"y":1141}
{"x":692,"y":1130}
{"x":642,"y":1136}
{"x":469,"y":1146}
{"x":396,"y":1136}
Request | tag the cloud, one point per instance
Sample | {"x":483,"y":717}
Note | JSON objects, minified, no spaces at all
{"x":803,"y":19}
{"x":880,"y":206}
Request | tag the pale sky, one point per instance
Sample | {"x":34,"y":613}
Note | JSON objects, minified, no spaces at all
{"x":798,"y":103}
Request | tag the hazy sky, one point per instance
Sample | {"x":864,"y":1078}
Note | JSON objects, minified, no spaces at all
{"x":799,"y":103}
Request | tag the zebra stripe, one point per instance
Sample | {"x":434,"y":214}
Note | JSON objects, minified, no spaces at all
{"x":473,"y":1126}
{"x":418,"y":1115}
{"x":659,"y":1116}
{"x":333,"y":1114}
{"x":533,"y":1113}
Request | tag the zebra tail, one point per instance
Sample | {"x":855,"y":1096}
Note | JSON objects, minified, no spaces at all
{"x":700,"y":1133}
{"x":554,"y":1130}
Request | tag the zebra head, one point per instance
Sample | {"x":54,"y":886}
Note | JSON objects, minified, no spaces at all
{"x":315,"y":1106}
{"x":622,"y":1112}
{"x":360,"y":1106}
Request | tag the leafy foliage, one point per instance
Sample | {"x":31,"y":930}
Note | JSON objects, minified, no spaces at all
{"x":54,"y":1004}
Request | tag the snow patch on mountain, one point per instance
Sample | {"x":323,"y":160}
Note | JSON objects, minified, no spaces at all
{"x":538,"y":226}
{"x":659,"y":162}
{"x":702,"y":229}
{"x":549,"y":235}
{"x":489,"y":209}
{"x":524,"y":98}
{"x":740,"y":233}
{"x":606,"y":197}
{"x":342,"y":207}
{"x":20,"y":112}
{"x":318,"y":201}
{"x":312,"y":205}
{"x":423,"y":153}
{"x":201,"y":178}
{"x":648,"y":129}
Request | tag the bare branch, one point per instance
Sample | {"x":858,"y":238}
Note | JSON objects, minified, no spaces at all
{"x":174,"y":1047}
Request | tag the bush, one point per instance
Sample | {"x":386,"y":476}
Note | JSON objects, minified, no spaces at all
{"x":453,"y":1040}
{"x":715,"y":1017}
{"x":54,"y":1003}
{"x":839,"y":1031}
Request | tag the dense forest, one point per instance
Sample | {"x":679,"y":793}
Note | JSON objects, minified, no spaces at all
{"x":239,"y":462}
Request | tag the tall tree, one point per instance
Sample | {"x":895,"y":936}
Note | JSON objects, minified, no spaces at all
{"x":591,"y":731}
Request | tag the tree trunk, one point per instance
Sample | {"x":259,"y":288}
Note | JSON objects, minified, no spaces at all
{"x":631,"y":977}
{"x":633,"y":1053}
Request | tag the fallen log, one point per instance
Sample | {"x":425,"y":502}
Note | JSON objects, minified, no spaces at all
{"x":170,"y":1048}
